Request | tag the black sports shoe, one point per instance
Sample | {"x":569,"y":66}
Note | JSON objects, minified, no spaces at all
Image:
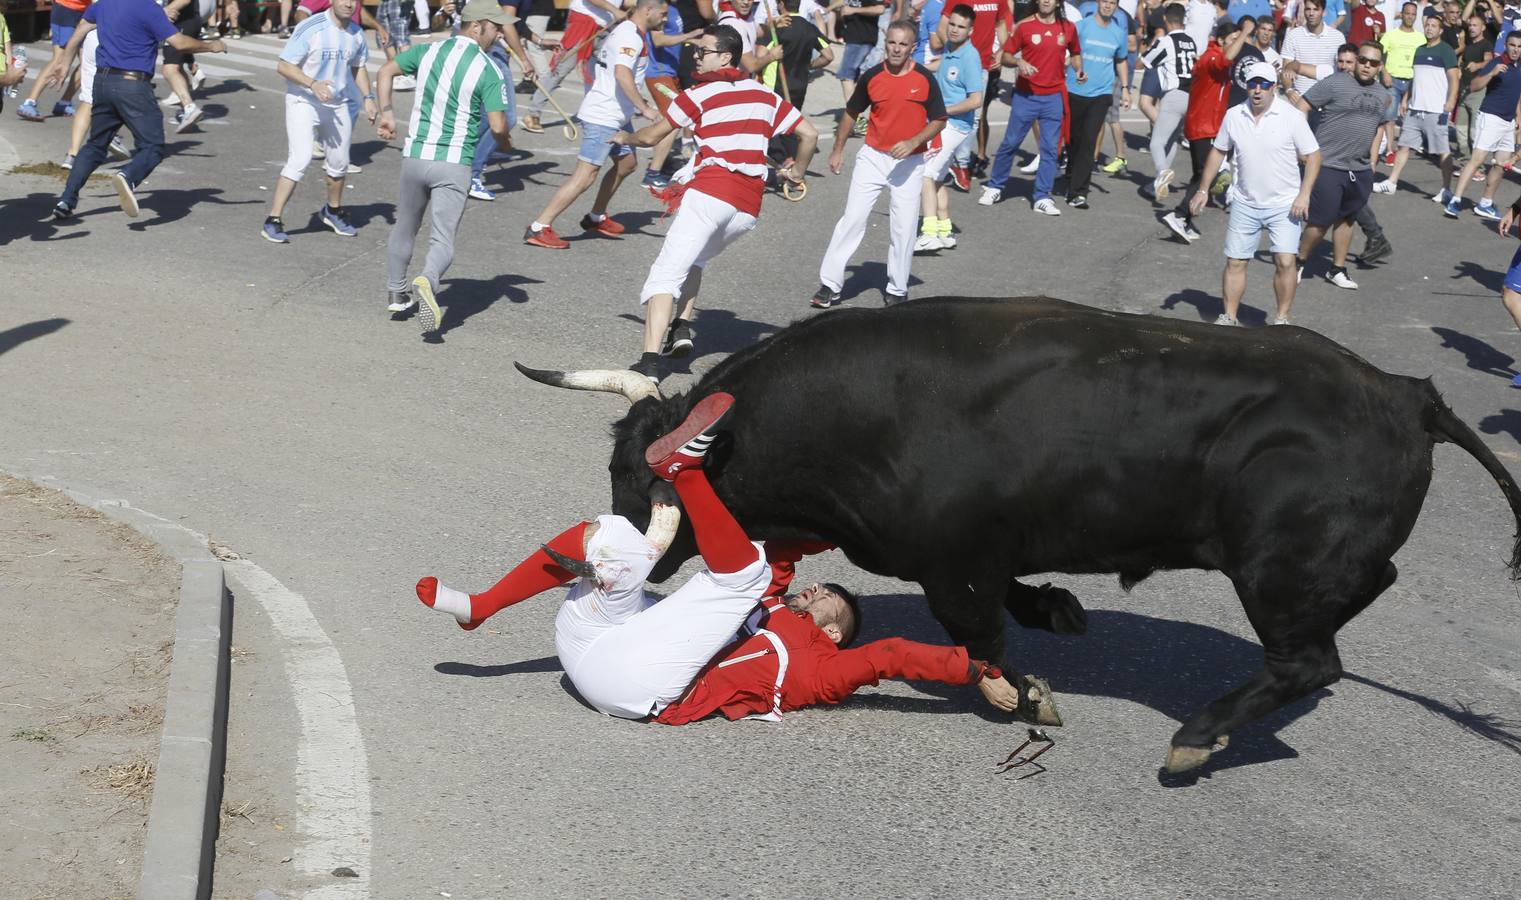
{"x":979,"y":166}
{"x":648,"y":366}
{"x":61,"y":212}
{"x":891,"y":299}
{"x":824,"y":298}
{"x":1375,"y":250}
{"x":678,"y":340}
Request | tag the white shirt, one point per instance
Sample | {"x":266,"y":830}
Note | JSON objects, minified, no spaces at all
{"x":1317,"y":50}
{"x":1267,"y":152}
{"x":605,"y":104}
{"x":596,"y":12}
{"x":746,"y":27}
{"x":1199,"y":21}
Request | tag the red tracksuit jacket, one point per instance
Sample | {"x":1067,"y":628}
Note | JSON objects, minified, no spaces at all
{"x":788,"y":663}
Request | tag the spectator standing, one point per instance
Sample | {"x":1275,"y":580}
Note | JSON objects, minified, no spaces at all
{"x":959,"y":75}
{"x":458,"y":88}
{"x":1350,"y":109}
{"x":907,"y":111}
{"x":1494,"y":128}
{"x":1368,"y":24}
{"x":1208,"y":98}
{"x":1268,"y":136}
{"x":1478,"y":50}
{"x":661,"y":81}
{"x":1400,"y":45}
{"x":1173,"y":58}
{"x":1265,"y":38}
{"x":858,"y":28}
{"x":1429,"y":106}
{"x":130,"y":32}
{"x":537,"y":56}
{"x":1314,"y":43}
{"x":1090,"y":91}
{"x":805,"y":50}
{"x":990,"y":31}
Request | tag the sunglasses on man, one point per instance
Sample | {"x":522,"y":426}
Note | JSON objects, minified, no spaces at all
{"x":1260,"y":84}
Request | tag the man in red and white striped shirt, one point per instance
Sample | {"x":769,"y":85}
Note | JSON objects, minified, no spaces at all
{"x":733,"y":118}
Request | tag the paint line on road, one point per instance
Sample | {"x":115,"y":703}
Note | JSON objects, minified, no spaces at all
{"x":332,"y":768}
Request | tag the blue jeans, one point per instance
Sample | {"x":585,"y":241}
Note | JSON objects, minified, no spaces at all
{"x":485,"y":146}
{"x":119,"y":101}
{"x":1026,"y":110}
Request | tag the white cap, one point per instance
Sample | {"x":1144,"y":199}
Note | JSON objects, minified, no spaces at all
{"x":1263,"y":70}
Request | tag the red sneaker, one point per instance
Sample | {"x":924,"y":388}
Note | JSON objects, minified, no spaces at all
{"x":606,"y":227}
{"x":546,"y":238}
{"x":1388,"y":159}
{"x":686,"y":446}
{"x":962,"y":176}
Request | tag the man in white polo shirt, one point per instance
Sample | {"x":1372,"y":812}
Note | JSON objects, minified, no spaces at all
{"x":1314,"y":43}
{"x":1269,"y":137}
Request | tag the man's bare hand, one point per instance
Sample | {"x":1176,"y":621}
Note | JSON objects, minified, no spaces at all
{"x":1000,"y":693}
{"x":1196,"y":203}
{"x":902,"y":149}
{"x":386,"y":128}
{"x":1506,"y":221}
{"x":836,"y":161}
{"x":1301,"y":207}
{"x":323,"y":91}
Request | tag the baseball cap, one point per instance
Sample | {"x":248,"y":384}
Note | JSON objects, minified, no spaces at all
{"x":1263,"y":70}
{"x":486,"y":11}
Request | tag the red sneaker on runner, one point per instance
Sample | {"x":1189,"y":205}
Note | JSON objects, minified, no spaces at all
{"x":962,"y":176}
{"x":688,"y":444}
{"x":545,"y":237}
{"x":605,"y":227}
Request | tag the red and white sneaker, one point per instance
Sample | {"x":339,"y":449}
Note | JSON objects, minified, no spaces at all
{"x":686,"y":446}
{"x":961,"y":176}
{"x":605,"y":227}
{"x":546,"y":238}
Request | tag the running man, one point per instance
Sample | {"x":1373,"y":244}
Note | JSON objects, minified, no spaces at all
{"x":458,"y":87}
{"x":1494,"y":128}
{"x":64,"y":17}
{"x":322,"y":63}
{"x":1173,"y":58}
{"x":733,"y":119}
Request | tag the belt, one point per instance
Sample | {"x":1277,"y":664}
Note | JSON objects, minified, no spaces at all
{"x":129,"y":74}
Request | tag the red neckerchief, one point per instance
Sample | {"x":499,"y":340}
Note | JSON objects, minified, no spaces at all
{"x":732,"y":73}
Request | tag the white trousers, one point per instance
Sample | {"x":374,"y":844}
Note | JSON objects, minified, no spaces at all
{"x":949,"y":140}
{"x":875,"y":170}
{"x":704,"y":226}
{"x":334,"y":126}
{"x":630,"y":657}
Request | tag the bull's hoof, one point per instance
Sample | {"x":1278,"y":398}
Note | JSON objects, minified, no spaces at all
{"x":1182,"y":759}
{"x":1037,"y":704}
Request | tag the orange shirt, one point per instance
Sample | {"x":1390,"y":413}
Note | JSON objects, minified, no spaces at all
{"x":76,"y":5}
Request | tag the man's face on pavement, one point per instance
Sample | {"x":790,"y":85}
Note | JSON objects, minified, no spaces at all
{"x":900,"y":45}
{"x":958,"y":29}
{"x":1513,"y":47}
{"x":1369,"y":61}
{"x":1476,"y":26}
{"x":1260,"y":93}
{"x":824,"y":606}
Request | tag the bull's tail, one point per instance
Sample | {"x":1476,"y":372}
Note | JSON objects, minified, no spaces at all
{"x":1444,"y":425}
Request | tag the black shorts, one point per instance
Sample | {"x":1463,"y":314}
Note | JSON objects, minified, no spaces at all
{"x":1338,"y":195}
{"x":990,"y":90}
{"x":189,"y":24}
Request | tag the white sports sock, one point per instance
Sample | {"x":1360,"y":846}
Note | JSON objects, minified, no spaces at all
{"x":456,"y":603}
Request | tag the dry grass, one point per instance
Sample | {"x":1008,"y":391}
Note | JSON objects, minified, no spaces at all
{"x":34,"y":736}
{"x":50,"y":170}
{"x":132,"y":780}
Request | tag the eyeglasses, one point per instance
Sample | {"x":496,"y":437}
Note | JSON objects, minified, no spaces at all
{"x":1260,"y":84}
{"x":1370,"y":61}
{"x":700,"y":52}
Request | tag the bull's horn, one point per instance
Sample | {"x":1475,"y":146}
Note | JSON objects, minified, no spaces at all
{"x":578,"y":567}
{"x":616,"y":381}
{"x":664,"y":520}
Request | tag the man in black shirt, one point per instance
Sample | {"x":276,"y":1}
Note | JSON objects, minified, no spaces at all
{"x":804,"y":50}
{"x":858,"y":28}
{"x":1477,"y":50}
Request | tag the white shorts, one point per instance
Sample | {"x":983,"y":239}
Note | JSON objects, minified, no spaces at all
{"x":703,"y":227}
{"x":942,"y":150}
{"x":1493,"y":134}
{"x":632,"y":658}
{"x":87,"y":68}
{"x":335,"y":128}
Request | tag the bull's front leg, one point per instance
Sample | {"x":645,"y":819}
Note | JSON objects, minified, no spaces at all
{"x":974,"y":619}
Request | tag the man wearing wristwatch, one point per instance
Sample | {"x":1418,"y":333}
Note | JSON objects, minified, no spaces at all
{"x":322,"y":63}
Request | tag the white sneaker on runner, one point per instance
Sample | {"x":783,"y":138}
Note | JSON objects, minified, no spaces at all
{"x":1339,"y":278}
{"x":1224,"y":319}
{"x":1386,"y":186}
{"x":1030,"y":167}
{"x":1047,"y":207}
{"x":990,"y":195}
{"x":404,"y":83}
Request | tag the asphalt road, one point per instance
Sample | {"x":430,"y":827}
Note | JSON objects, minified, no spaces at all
{"x":259,"y":393}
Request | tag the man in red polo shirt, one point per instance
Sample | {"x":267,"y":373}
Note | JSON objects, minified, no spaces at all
{"x":992,"y":21}
{"x":1042,"y":47}
{"x":1208,"y":96}
{"x":906,"y":111}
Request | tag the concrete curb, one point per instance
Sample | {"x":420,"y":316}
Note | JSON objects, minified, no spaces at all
{"x":187,"y":789}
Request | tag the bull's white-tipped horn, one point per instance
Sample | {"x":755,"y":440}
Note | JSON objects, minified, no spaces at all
{"x":664,"y":520}
{"x":614,"y":381}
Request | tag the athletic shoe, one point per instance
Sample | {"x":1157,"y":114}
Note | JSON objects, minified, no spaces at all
{"x":1160,"y":186}
{"x":605,"y":227}
{"x":891,"y":299}
{"x":1375,"y":250}
{"x":656,"y":180}
{"x":197,"y":78}
{"x":961,"y":177}
{"x":825,"y":297}
{"x":285,"y":31}
{"x":68,"y":161}
{"x":1281,"y":320}
{"x":28,"y":111}
{"x":979,"y":167}
{"x":927,"y":243}
{"x":1078,"y":202}
{"x":63,"y":108}
{"x":1486,"y":211}
{"x":274,"y":231}
{"x":1386,"y":186}
{"x":404,"y":83}
{"x":171,"y":100}
{"x":678,"y":340}
{"x":1388,"y":159}
{"x":333,"y":218}
{"x":1478,"y":176}
{"x":648,"y":366}
{"x":859,"y":128}
{"x":1030,"y":167}
{"x":1178,"y":226}
{"x":1116,"y":167}
{"x":947,"y":241}
{"x":544,"y":237}
{"x":990,"y":195}
{"x":1442,"y":196}
{"x":429,"y":316}
{"x":1193,"y":233}
{"x":118,"y":149}
{"x":1222,"y":182}
{"x":318,"y":152}
{"x":124,"y":194}
{"x":1453,"y":208}
{"x":1047,"y":207}
{"x":62,"y":211}
{"x":401,"y":304}
{"x":1339,"y":278}
{"x":479,"y":191}
{"x":187,"y":117}
{"x":1299,"y":273}
{"x":1224,"y":319}
{"x":685,"y":447}
{"x":531,"y":125}
{"x":353,"y":170}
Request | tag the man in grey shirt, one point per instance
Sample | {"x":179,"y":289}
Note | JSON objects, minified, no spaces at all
{"x":1346,"y":111}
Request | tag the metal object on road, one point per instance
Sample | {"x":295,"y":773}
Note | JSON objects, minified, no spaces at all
{"x":1014,"y":761}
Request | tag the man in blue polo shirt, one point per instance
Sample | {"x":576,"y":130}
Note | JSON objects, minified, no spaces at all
{"x":130,"y":34}
{"x":1090,"y":92}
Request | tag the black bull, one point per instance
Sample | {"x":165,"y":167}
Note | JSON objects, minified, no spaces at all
{"x":960,"y":443}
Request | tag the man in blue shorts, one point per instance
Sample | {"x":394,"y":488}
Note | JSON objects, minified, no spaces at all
{"x":858,"y":27}
{"x":63,"y":18}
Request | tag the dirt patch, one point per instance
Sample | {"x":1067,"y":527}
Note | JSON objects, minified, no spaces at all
{"x":89,"y":607}
{"x":52,"y":170}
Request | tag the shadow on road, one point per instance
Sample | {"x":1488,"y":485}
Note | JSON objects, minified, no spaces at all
{"x":1489,"y":279}
{"x":173,"y":204}
{"x":1506,"y":421}
{"x":465,"y":297}
{"x":526,"y":667}
{"x":11,"y":338}
{"x":513,"y":178}
{"x":1210,"y":307}
{"x":27,"y":217}
{"x":868,"y":277}
{"x":1480,"y":355}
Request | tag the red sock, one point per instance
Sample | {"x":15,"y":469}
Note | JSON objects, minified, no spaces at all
{"x":534,"y":575}
{"x":722,"y":542}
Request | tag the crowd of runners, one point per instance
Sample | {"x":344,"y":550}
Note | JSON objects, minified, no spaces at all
{"x":1292,"y":114}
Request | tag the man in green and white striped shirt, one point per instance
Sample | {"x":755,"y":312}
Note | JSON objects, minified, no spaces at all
{"x":456,"y":86}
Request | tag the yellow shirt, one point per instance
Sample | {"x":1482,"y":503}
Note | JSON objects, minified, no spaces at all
{"x":1399,"y":51}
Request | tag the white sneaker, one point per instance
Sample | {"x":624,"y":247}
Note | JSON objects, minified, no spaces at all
{"x":990,"y":195}
{"x":188,"y":116}
{"x":1047,"y":207}
{"x":1178,"y":226}
{"x":172,"y":100}
{"x":1159,"y":185}
{"x":197,"y":78}
{"x":318,"y":152}
{"x":1224,"y":319}
{"x":1299,"y":275}
{"x":117,"y":149}
{"x":1282,"y":320}
{"x":947,"y":241}
{"x":1030,"y":167}
{"x":404,"y":83}
{"x":354,"y":170}
{"x":1442,"y":197}
{"x":1384,"y":187}
{"x":124,"y":194}
{"x":1339,"y":278}
{"x":926,"y":243}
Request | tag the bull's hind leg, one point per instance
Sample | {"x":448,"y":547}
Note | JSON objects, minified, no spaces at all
{"x":1298,"y":629}
{"x":1046,"y":607}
